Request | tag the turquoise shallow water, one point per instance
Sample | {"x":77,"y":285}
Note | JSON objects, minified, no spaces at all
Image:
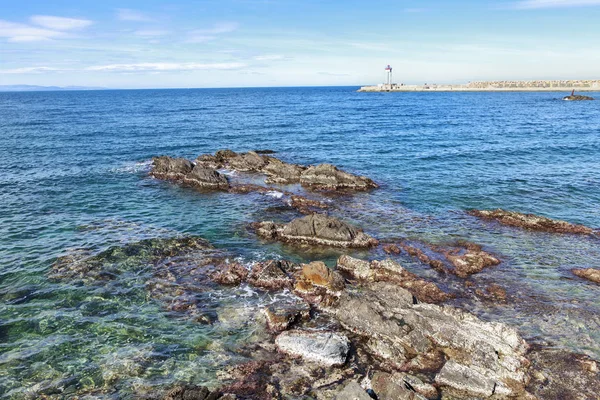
{"x":73,"y":174}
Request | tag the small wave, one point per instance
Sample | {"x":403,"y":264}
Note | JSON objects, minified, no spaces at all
{"x":135,"y":167}
{"x":274,"y":193}
{"x":228,"y":172}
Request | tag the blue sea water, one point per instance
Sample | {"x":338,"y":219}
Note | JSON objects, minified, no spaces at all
{"x":73,"y":175}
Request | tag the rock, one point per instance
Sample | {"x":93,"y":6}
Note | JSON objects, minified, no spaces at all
{"x":325,"y":348}
{"x":492,"y":292}
{"x":352,"y":391}
{"x":307,"y":206}
{"x":249,"y":188}
{"x":251,"y":380}
{"x":206,"y":178}
{"x":424,"y":258}
{"x":250,"y":162}
{"x":230,"y":274}
{"x":224,"y":155}
{"x":264,"y":151}
{"x":273,"y":274}
{"x":191,"y":392}
{"x":577,"y":97}
{"x":165,"y":167}
{"x":427,"y":337}
{"x":316,"y":229}
{"x":590,"y":274}
{"x":282,"y":172}
{"x":327,"y":176}
{"x":318,"y":284}
{"x":391,"y":248}
{"x":531,"y":222}
{"x":282,"y":315}
{"x":469,"y":259}
{"x":209,"y":161}
{"x":396,"y":387}
{"x":560,"y":374}
{"x":391,"y":271}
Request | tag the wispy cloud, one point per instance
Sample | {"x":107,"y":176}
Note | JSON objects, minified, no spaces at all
{"x":26,"y":33}
{"x":164,"y":67}
{"x":59,"y":23}
{"x":151,"y":32}
{"x":126,"y":14}
{"x":222,"y":27}
{"x":30,"y":70}
{"x":535,"y":4}
{"x":269,"y":57}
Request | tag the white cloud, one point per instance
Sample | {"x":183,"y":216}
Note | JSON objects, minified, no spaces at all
{"x":222,"y":27}
{"x":534,"y":4}
{"x":151,"y":32}
{"x":162,"y":67}
{"x":30,"y":70}
{"x":269,"y":57}
{"x":126,"y":14}
{"x":25,"y":33}
{"x":59,"y":23}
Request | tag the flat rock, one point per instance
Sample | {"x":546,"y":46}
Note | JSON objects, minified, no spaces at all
{"x":205,"y":177}
{"x":316,"y":229}
{"x":531,"y":222}
{"x":328,"y":176}
{"x":325,"y":348}
{"x":352,"y":391}
{"x":591,"y":274}
{"x":391,"y":271}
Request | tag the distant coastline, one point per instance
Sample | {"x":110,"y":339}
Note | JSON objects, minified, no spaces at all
{"x":492,"y":86}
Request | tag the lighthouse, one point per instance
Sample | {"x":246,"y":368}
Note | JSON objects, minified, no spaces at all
{"x":389,"y":74}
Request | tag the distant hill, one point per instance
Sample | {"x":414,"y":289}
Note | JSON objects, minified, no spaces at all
{"x":34,"y":88}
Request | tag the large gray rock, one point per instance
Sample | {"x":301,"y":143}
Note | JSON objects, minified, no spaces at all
{"x":327,"y":176}
{"x":165,"y":167}
{"x":326,"y":348}
{"x":246,"y":162}
{"x":317,"y":229}
{"x":475,"y":355}
{"x":352,"y":391}
{"x":206,"y":178}
{"x":282,"y":172}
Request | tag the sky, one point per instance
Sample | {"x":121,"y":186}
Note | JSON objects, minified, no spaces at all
{"x":249,"y":43}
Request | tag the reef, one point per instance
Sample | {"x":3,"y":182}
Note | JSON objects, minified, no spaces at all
{"x":531,"y":222}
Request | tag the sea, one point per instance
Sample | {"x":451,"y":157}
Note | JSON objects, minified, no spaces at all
{"x":74,"y":178}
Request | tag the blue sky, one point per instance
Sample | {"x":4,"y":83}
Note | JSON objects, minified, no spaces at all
{"x":231,"y":43}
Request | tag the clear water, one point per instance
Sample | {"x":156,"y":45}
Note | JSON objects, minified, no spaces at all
{"x":73,"y":174}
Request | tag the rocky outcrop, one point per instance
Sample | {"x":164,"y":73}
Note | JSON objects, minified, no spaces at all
{"x":326,"y":348}
{"x":281,"y":172}
{"x":230,"y":274}
{"x":273,"y":274}
{"x":531,"y":222}
{"x":395,"y":386}
{"x":316,"y":229}
{"x":577,"y":97}
{"x":591,"y":274}
{"x":469,"y":357}
{"x":184,"y":171}
{"x":327,"y":176}
{"x":318,"y":284}
{"x":391,"y":271}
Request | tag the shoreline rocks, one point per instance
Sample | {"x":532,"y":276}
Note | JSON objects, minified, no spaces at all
{"x":185,"y":172}
{"x":531,"y":222}
{"x":316,"y":229}
{"x":325,"y":348}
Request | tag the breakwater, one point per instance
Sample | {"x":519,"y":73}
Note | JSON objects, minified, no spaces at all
{"x":492,"y":86}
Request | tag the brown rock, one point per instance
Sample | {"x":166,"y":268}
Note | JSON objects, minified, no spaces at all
{"x":307,"y":206}
{"x":469,"y":259}
{"x":590,"y":274}
{"x":273,"y":274}
{"x":230,"y":274}
{"x":492,"y":292}
{"x":318,"y":284}
{"x":391,"y":249}
{"x":531,"y":222}
{"x":283,"y":315}
{"x":424,"y":258}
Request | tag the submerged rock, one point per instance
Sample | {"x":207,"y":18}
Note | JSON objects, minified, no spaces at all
{"x":591,"y":274}
{"x":192,"y":392}
{"x":469,"y":259}
{"x":326,"y":348}
{"x":531,"y":222}
{"x":316,"y":229}
{"x":327,"y":176}
{"x":391,"y":271}
{"x":307,"y":206}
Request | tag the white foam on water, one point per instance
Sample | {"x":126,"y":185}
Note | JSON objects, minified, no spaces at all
{"x":133,"y":167}
{"x":228,"y":172}
{"x":274,"y":193}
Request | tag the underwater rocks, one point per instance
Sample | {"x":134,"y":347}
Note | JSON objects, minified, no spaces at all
{"x":184,"y":171}
{"x":591,"y":274}
{"x":326,"y":348}
{"x":316,"y":229}
{"x":191,"y":392}
{"x":108,"y":264}
{"x":390,"y":271}
{"x":307,"y":206}
{"x":531,"y":222}
{"x":273,"y":274}
{"x":469,"y":259}
{"x":469,"y":357}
